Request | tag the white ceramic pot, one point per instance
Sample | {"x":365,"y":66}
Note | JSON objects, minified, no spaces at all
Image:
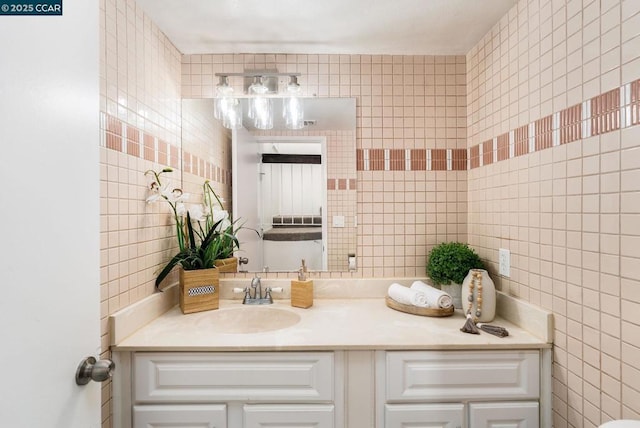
{"x":453,"y":290}
{"x":488,"y":310}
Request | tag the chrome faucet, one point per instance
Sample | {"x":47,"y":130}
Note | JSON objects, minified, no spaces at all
{"x":256,"y":284}
{"x":257,"y":298}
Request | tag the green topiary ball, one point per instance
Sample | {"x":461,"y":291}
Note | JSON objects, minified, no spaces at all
{"x":450,"y":262}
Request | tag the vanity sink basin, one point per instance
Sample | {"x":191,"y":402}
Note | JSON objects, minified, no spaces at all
{"x":251,"y":319}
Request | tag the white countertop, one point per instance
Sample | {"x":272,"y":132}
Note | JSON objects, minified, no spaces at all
{"x":330,"y":324}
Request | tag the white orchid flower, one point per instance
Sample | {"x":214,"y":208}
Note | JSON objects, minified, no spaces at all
{"x":173,"y":196}
{"x":196,"y":212}
{"x":219,"y":215}
{"x":153,"y":198}
{"x":156,"y":192}
{"x":181,"y":210}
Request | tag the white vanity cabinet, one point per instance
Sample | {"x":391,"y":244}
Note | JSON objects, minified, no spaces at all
{"x":234,"y":389}
{"x":459,"y":389}
{"x":340,"y":389}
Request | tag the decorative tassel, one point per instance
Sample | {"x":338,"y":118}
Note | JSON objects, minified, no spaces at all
{"x":494,"y":329}
{"x":470,"y":326}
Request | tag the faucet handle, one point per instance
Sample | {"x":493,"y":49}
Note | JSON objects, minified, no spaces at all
{"x":242,"y":290}
{"x":268,"y":292}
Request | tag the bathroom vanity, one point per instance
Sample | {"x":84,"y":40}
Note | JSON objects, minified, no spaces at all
{"x":341,"y":363}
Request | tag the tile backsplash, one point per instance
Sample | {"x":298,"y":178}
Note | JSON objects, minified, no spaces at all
{"x":554,"y":146}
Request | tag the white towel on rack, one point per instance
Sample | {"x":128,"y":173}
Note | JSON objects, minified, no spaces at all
{"x":407,"y":296}
{"x":436,"y":298}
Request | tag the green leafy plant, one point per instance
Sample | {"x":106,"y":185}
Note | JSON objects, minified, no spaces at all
{"x":202,"y":254}
{"x":205,"y":233}
{"x":450,"y":262}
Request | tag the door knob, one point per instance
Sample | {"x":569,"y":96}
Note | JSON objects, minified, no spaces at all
{"x":90,"y":369}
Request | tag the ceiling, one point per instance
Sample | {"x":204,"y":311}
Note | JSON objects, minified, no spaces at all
{"x":399,"y":27}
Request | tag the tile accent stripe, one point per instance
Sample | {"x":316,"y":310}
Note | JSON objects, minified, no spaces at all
{"x":503,"y":147}
{"x":544,"y":133}
{"x":474,"y":155}
{"x":635,"y":103}
{"x":125,"y":138}
{"x":341,"y":184}
{"x":521,"y":140}
{"x":607,"y":112}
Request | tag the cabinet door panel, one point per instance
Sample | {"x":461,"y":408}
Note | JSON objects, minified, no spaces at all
{"x":424,"y":415}
{"x":288,"y":416}
{"x":504,"y":415}
{"x":180,"y":416}
{"x":205,"y":377}
{"x":459,"y":375}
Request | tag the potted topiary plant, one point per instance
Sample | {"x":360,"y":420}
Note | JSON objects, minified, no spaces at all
{"x":448,"y":265}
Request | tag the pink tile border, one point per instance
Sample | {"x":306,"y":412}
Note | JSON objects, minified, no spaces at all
{"x":503,"y":147}
{"x":487,"y":152}
{"x":521,"y":140}
{"x":570,"y":124}
{"x":128,"y":139}
{"x":474,"y":156}
{"x":607,"y":112}
{"x":635,"y":103}
{"x":543,"y":133}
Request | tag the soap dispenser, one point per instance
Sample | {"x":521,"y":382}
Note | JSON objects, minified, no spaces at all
{"x":302,"y":288}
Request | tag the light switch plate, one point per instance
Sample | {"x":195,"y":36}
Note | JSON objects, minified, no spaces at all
{"x":504,"y":262}
{"x":338,"y":221}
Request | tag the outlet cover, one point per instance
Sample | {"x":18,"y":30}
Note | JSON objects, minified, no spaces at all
{"x":338,"y":221}
{"x":504,"y":260}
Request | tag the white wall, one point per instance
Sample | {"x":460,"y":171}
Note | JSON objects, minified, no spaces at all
{"x":49,"y":220}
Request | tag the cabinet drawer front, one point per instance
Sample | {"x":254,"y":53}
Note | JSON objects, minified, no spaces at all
{"x":193,"y":416}
{"x":200,"y":377}
{"x":287,"y":416}
{"x":452,"y":375}
{"x":505,"y":415}
{"x":419,"y":415}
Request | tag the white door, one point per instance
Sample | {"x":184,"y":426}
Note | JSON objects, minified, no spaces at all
{"x":246,"y":162}
{"x":49,"y":216}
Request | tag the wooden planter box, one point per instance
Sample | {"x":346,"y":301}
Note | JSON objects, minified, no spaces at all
{"x":199,"y":290}
{"x":229,"y":265}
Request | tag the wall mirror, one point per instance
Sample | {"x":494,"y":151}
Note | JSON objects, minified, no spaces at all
{"x":297,"y":187}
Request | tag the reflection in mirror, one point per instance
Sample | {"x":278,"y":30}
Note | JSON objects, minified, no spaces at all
{"x":298,"y":188}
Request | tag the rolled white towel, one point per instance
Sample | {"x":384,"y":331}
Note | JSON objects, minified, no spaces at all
{"x":436,"y":298}
{"x":407,"y":296}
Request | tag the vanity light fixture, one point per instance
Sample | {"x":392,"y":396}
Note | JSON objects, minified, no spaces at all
{"x":292,"y":108}
{"x":260,"y":106}
{"x":228,"y":109}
